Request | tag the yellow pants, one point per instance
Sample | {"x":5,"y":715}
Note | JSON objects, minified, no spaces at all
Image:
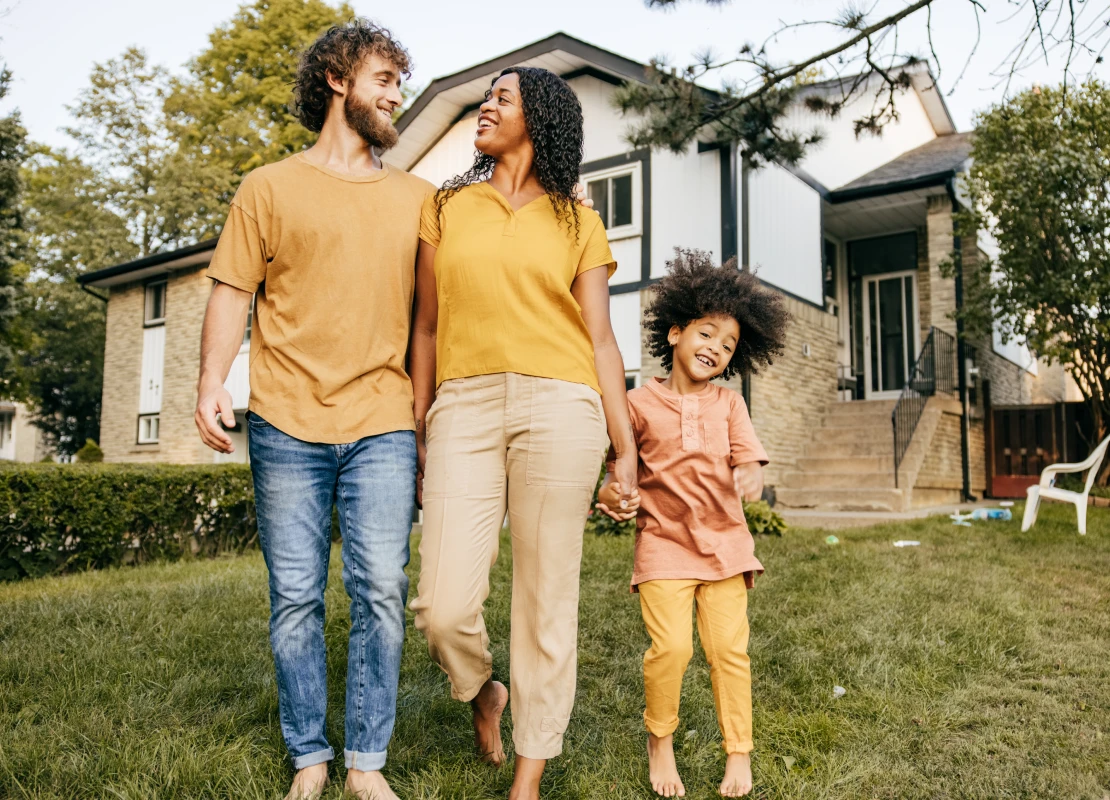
{"x":722,"y":609}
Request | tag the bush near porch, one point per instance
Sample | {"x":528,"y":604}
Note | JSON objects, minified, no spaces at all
{"x":975,"y":667}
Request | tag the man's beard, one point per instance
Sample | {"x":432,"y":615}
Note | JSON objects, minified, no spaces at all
{"x":366,"y":121}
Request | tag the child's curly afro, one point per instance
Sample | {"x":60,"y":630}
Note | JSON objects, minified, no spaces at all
{"x":694,"y":288}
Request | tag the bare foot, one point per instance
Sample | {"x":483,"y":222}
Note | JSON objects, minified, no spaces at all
{"x":662,"y":769}
{"x":526,"y":778}
{"x":488,"y":707}
{"x":309,"y":783}
{"x":738,"y":775}
{"x":368,"y":786}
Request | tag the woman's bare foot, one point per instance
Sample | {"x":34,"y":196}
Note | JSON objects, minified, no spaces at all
{"x":488,"y":706}
{"x":738,"y":775}
{"x":309,"y":783}
{"x":662,"y":768}
{"x":368,"y":786}
{"x":526,"y":778}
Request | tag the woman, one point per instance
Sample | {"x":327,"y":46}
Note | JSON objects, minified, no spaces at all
{"x":513,"y":343}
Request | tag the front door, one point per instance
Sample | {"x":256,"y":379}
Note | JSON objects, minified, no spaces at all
{"x":890,"y":332}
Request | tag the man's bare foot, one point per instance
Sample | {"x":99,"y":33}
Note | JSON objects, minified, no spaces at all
{"x":309,"y":783}
{"x":368,"y":786}
{"x":661,"y":767}
{"x":526,"y":778}
{"x":738,"y":775}
{"x":488,"y":706}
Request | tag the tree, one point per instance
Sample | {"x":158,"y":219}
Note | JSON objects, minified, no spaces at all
{"x":12,"y":151}
{"x":234,"y":111}
{"x":1040,"y":182}
{"x":672,"y":108}
{"x":72,"y":226}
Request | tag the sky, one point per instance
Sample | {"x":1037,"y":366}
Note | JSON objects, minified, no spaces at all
{"x":51,"y":45}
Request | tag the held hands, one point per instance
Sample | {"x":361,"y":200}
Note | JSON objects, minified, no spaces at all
{"x":748,"y":480}
{"x":421,"y":461}
{"x":619,"y":496}
{"x":212,"y":402}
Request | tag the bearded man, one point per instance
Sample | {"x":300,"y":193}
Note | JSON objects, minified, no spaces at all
{"x":327,"y":241}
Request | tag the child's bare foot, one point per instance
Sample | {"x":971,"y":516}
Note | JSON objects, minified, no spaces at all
{"x":662,"y":768}
{"x":368,"y":786}
{"x":488,"y":706}
{"x":526,"y":778}
{"x":309,"y":783}
{"x":738,"y":775}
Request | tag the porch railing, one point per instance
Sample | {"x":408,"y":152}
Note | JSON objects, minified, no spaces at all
{"x":933,"y":372}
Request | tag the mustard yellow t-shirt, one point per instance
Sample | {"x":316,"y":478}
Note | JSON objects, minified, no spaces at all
{"x":332,"y":258}
{"x":503,"y":282}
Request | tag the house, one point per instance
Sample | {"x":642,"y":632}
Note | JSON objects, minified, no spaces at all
{"x":20,"y":440}
{"x":854,"y":238}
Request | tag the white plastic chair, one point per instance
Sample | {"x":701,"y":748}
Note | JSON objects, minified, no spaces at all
{"x":1046,"y":488}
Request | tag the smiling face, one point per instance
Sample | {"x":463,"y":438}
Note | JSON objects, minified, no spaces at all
{"x":501,"y":125}
{"x":373,"y":94}
{"x":703,"y":348}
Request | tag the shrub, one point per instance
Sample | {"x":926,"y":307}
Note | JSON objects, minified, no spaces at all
{"x":760,"y":516}
{"x":64,"y":518}
{"x":90,"y":453}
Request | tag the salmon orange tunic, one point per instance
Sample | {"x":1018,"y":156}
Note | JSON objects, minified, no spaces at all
{"x":691,"y":521}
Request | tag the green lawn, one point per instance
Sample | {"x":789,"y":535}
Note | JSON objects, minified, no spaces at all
{"x":977,"y":665}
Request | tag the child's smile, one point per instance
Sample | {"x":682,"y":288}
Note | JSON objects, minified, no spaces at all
{"x":704,"y":347}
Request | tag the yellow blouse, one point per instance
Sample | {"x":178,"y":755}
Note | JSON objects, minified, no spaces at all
{"x":503,"y":281}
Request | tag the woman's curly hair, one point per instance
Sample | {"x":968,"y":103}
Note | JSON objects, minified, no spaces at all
{"x":553,"y":117}
{"x":694,"y":288}
{"x":340,"y":50}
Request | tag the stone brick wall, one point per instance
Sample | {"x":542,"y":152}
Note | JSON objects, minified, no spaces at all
{"x":789,"y":400}
{"x":937,"y":298}
{"x":943,"y":468}
{"x":186,"y":296}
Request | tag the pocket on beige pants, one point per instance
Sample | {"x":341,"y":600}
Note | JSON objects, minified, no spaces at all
{"x":567,"y":434}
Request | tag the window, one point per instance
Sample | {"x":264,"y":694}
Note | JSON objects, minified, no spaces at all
{"x":631,"y":380}
{"x":6,"y":431}
{"x":148,"y":429}
{"x":617,"y":196}
{"x":250,"y":324}
{"x":155,"y":311}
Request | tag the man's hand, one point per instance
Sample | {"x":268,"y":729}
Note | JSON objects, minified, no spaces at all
{"x":748,"y":479}
{"x":580,"y":196}
{"x":212,"y":402}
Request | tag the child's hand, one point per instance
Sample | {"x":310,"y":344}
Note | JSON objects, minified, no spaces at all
{"x":609,"y":502}
{"x":748,"y":479}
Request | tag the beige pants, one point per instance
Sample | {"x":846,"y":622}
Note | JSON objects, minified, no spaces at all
{"x":535,"y":444}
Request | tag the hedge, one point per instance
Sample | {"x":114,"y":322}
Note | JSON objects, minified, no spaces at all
{"x":59,"y":518}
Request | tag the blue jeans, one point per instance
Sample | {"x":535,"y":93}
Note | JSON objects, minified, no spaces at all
{"x":372,"y":481}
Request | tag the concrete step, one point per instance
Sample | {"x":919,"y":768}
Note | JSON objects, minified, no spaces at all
{"x":853,"y":434}
{"x":839,"y":480}
{"x":842,"y":499}
{"x":833,"y":462}
{"x":872,"y":445}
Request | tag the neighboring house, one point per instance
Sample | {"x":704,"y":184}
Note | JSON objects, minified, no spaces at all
{"x":854,"y":238}
{"x":19,"y":439}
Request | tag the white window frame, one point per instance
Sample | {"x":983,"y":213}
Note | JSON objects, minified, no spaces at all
{"x":148,"y":296}
{"x":248,"y":330}
{"x":146,"y":438}
{"x":7,"y":430}
{"x":636,"y":228}
{"x":636,"y":376}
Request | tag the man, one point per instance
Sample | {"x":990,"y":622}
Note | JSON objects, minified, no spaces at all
{"x":327,"y":239}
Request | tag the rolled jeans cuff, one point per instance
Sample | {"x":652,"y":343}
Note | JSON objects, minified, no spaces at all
{"x":312,"y":759}
{"x":366,"y":762}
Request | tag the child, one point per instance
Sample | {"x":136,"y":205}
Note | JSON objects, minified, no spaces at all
{"x":698,"y":457}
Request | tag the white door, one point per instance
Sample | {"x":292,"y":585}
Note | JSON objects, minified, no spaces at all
{"x":889,"y":332}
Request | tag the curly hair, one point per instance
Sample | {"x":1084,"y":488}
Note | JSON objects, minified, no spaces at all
{"x":553,"y":118}
{"x":694,"y":288}
{"x":340,"y":50}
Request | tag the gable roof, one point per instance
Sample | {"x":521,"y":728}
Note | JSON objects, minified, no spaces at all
{"x":931,"y":164}
{"x":448,"y":99}
{"x":150,"y":266}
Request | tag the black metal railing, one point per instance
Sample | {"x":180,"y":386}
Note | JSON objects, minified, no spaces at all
{"x":933,"y":372}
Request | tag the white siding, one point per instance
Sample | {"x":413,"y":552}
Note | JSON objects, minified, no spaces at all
{"x":624,"y":311}
{"x":451,"y":155}
{"x":784,"y":225}
{"x":154,"y":356}
{"x":842,"y":156}
{"x":685,"y":205}
{"x":238,"y":380}
{"x":603,"y":125}
{"x":629,"y":255}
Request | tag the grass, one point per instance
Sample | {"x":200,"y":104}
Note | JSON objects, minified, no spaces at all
{"x":976,"y":666}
